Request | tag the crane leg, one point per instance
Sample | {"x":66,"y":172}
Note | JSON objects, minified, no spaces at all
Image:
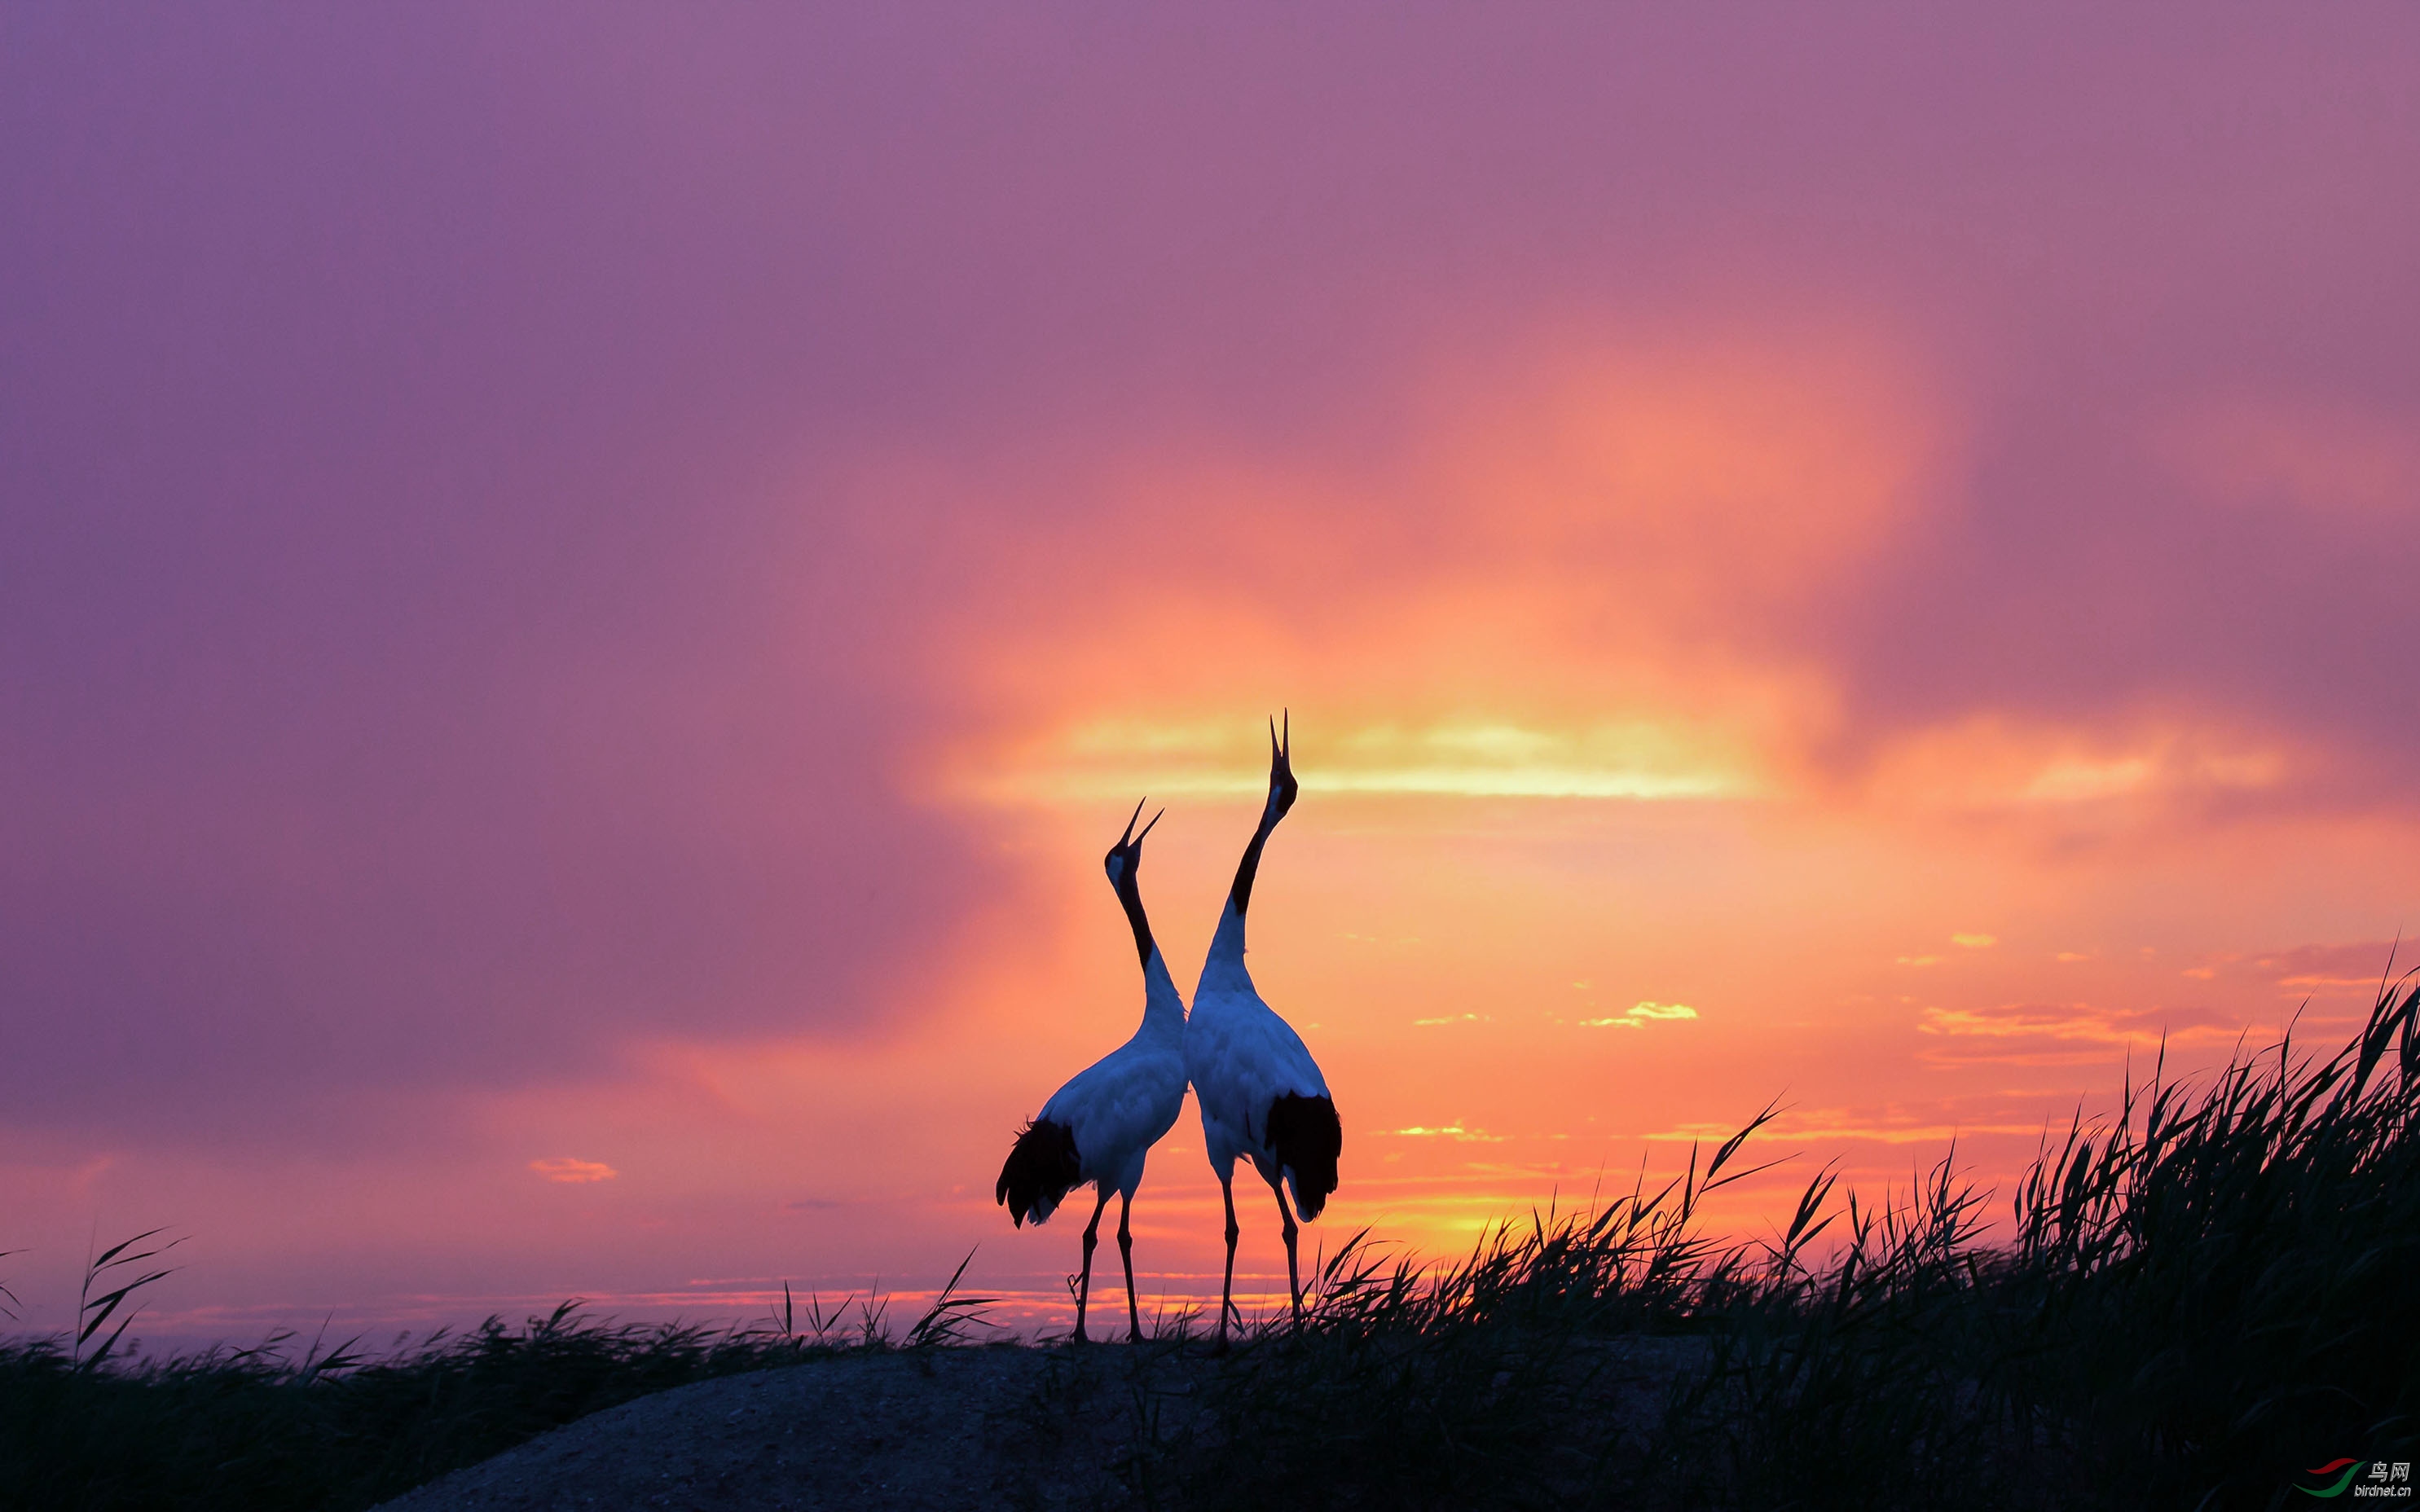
{"x":1227,"y":1287}
{"x":1294,"y":1273}
{"x":1091,"y":1237}
{"x":1125,"y":1253}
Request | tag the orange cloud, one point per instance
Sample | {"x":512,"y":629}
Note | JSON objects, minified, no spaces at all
{"x":2040,"y":1034}
{"x":1691,"y":481}
{"x":1567,"y":579}
{"x":1992,"y":762}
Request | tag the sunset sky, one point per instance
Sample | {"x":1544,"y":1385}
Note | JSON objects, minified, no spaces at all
{"x":582,"y":590}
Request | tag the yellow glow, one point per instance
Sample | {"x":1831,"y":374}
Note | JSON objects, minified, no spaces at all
{"x":1452,"y":1131}
{"x":1640,"y":1013}
{"x":1104,"y":759}
{"x":1663,"y":1011}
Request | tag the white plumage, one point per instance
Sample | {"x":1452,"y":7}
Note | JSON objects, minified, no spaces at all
{"x":1260,"y":1093}
{"x":1099,"y":1127}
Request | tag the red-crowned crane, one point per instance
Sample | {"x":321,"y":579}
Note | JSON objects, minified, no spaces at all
{"x":1259,"y":1092}
{"x":1099,"y":1126}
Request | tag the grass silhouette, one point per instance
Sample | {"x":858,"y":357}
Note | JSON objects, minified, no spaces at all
{"x":2200,"y":1297}
{"x":269,"y":1428}
{"x":2195,"y":1298}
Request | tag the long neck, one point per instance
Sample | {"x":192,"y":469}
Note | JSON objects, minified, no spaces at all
{"x":1240,"y":895}
{"x":1130,"y":897}
{"x":1163,"y":1011}
{"x":1227,"y":944}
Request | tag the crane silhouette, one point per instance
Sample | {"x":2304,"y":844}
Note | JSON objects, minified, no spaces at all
{"x":1100,"y":1125}
{"x":1260,"y":1093}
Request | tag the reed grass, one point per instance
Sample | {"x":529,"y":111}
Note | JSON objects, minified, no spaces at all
{"x":2212,"y":1289}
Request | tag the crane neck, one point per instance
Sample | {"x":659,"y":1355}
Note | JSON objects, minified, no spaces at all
{"x":1130,"y":899}
{"x":1239,"y":896}
{"x":1224,"y":968}
{"x":1163,"y":1011}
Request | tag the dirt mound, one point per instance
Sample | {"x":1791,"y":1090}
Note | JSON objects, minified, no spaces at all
{"x":1005,"y":1426}
{"x":960,"y":1428}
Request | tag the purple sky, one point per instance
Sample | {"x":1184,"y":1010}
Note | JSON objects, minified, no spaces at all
{"x":499,"y":505}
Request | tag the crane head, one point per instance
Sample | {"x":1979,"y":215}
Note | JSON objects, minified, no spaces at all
{"x":1282,"y":786}
{"x":1125,"y":857}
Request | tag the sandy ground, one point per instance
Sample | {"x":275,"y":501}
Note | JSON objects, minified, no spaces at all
{"x":1001,"y":1426}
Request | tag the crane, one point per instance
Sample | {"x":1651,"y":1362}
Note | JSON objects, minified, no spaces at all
{"x":1100,"y":1125}
{"x":1258,"y":1089}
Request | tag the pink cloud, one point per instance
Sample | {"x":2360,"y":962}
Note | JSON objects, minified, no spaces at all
{"x":562,"y":1168}
{"x":2366,"y":963}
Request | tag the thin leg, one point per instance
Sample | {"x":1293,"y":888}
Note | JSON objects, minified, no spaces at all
{"x":1125,"y":1253}
{"x":1293,"y":1273}
{"x":1227,"y":1287}
{"x":1092,"y":1235}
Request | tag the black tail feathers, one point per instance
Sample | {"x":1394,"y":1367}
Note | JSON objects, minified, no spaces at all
{"x":1043,"y":1168}
{"x":1306,"y":1137}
